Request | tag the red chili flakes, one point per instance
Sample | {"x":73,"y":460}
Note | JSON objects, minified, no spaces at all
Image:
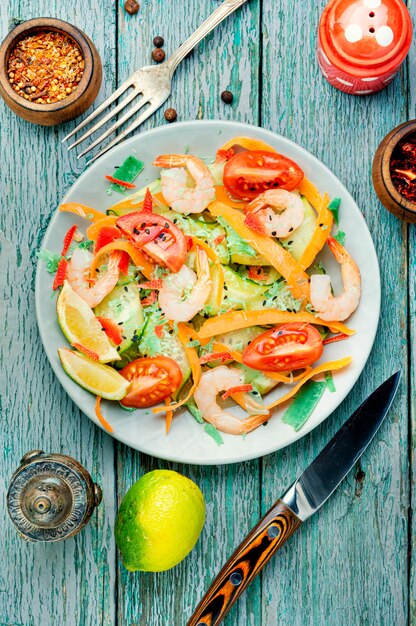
{"x":60,"y":274}
{"x":68,"y":239}
{"x":148,"y":202}
{"x":113,"y":331}
{"x":215,"y":356}
{"x":122,"y":183}
{"x":151,"y":284}
{"x":46,"y":67}
{"x":403,"y":167}
{"x":86,"y":351}
{"x":151,"y":299}
{"x":239,"y":389}
{"x":159,"y":331}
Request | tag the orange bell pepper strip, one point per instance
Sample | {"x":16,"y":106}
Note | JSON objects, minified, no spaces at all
{"x":273,"y":252}
{"x":81,"y":209}
{"x":235,"y":320}
{"x":213,"y":257}
{"x":137,"y":256}
{"x":186,"y":334}
{"x":311,"y":193}
{"x":222,"y":196}
{"x":325,"y":367}
{"x":137,"y":205}
{"x":94,"y":229}
{"x":248,"y":143}
{"x":320,"y":235}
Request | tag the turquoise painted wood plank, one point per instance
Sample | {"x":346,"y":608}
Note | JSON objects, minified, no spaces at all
{"x":229,"y":58}
{"x":348,"y":565}
{"x":70,"y":583}
{"x":411,"y":63}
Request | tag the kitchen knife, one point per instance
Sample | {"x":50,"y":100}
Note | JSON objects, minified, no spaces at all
{"x":308,"y":493}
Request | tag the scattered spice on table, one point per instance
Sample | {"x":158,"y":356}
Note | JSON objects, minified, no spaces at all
{"x":46,"y":67}
{"x":131,"y":6}
{"x":403,"y":167}
{"x":158,"y":41}
{"x":171,"y":115}
{"x":227,"y":97}
{"x":158,"y":55}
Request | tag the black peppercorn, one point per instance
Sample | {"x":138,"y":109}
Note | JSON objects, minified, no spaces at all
{"x":131,"y":6}
{"x":171,"y":115}
{"x":158,"y":55}
{"x":227,"y":97}
{"x":158,"y":41}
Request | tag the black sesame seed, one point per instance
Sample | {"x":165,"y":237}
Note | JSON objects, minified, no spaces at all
{"x":274,"y":233}
{"x":124,"y":337}
{"x":258,"y":272}
{"x":136,"y":231}
{"x":118,"y":348}
{"x":166,"y":225}
{"x":125,"y":289}
{"x":265,"y":423}
{"x":147,"y":231}
{"x":320,"y":225}
{"x":225,"y":288}
{"x":289,"y":243}
{"x":264,"y":302}
{"x":143,"y":225}
{"x":270,"y":217}
{"x":175,"y":220}
{"x":290,"y":229}
{"x":120,"y":323}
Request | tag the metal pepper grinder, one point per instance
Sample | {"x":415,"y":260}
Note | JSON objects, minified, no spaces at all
{"x":51,"y":497}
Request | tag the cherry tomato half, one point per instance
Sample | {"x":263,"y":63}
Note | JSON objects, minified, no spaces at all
{"x":285,"y":348}
{"x":153,"y":379}
{"x":157,"y":236}
{"x":248,"y":174}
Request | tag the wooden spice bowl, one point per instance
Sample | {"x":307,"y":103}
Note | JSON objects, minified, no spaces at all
{"x":389,"y":196}
{"x":72,"y":105}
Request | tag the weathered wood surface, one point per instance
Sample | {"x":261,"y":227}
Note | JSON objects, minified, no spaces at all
{"x":350,"y":565}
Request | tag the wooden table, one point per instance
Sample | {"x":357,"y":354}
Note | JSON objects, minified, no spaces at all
{"x":352,"y":563}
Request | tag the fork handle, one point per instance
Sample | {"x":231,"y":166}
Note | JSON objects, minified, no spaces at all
{"x":223,"y":11}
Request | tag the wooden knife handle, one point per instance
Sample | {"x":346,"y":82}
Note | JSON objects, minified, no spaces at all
{"x":273,"y":530}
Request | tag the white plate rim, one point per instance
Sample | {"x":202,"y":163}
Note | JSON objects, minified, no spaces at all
{"x":241,"y":129}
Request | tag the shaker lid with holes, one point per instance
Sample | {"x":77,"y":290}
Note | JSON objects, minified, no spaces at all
{"x":51,"y":497}
{"x":361,"y":36}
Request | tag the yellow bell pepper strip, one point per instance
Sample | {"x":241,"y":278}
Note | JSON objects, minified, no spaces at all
{"x":222,"y":196}
{"x":248,"y":143}
{"x":311,"y":193}
{"x":139,"y":259}
{"x":235,"y":320}
{"x":81,"y":209}
{"x":101,"y":417}
{"x":273,"y":252}
{"x":169,"y":414}
{"x":185,"y":334}
{"x":325,"y":367}
{"x":320,"y":235}
{"x":94,"y":229}
{"x":213,"y":257}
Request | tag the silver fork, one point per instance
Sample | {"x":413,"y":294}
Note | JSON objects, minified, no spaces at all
{"x":152,"y":83}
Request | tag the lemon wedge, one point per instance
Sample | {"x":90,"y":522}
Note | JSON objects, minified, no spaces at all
{"x":101,"y":380}
{"x":80,"y":326}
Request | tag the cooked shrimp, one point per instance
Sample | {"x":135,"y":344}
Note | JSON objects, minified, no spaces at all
{"x":175,"y":189}
{"x":261,"y":214}
{"x":337,"y":308}
{"x":78,"y":276}
{"x":185,"y":293}
{"x":211,"y":384}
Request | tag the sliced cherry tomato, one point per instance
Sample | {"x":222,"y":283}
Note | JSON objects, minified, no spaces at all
{"x":152,"y":380}
{"x":284,"y":348}
{"x":248,"y":174}
{"x":157,"y":236}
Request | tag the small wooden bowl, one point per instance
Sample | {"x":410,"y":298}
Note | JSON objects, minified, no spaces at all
{"x":75,"y":103}
{"x":394,"y":202}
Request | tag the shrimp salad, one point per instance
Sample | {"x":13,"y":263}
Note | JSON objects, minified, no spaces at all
{"x":203,"y":290}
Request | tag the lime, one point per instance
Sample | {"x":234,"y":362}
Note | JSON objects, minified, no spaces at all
{"x":159,"y":521}
{"x":79,"y":325}
{"x":101,"y":380}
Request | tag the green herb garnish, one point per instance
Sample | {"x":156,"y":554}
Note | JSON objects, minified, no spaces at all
{"x":333,"y":206}
{"x":51,"y":260}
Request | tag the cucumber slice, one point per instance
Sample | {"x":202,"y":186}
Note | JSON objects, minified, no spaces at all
{"x":167,"y":345}
{"x":297,"y":241}
{"x":240,"y":292}
{"x":124,"y":307}
{"x":260,"y":381}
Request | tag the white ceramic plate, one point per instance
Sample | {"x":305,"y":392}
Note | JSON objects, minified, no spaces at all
{"x":187,"y":441}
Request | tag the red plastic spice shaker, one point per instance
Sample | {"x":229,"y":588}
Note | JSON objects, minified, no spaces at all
{"x":362,"y":43}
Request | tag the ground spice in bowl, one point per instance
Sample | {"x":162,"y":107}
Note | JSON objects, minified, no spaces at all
{"x":403,"y":167}
{"x":45,"y":67}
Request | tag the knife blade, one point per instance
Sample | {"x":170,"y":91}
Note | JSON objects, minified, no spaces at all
{"x":307,"y":494}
